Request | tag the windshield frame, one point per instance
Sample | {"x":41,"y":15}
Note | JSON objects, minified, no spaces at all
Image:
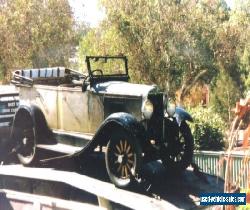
{"x":90,"y":58}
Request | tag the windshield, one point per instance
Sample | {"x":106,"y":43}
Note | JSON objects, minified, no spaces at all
{"x":108,"y":66}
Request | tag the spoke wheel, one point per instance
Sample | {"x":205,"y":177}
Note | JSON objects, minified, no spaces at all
{"x":25,"y":138}
{"x":177,"y":153}
{"x":123,"y":157}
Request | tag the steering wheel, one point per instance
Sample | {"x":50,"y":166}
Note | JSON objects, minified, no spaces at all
{"x":97,"y":70}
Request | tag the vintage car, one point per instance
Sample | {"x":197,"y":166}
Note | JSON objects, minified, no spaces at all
{"x":72,"y":112}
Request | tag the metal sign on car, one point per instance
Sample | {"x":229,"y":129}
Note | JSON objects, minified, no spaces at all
{"x":8,"y":105}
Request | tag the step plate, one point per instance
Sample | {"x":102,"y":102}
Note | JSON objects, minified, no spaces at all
{"x":62,"y":148}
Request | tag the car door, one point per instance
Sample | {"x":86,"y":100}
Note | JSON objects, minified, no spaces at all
{"x":72,"y":109}
{"x":79,"y":111}
{"x":95,"y":110}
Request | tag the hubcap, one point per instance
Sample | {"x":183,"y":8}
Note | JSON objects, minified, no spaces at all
{"x":120,"y":158}
{"x":124,"y":159}
{"x":25,"y":140}
{"x":27,"y":143}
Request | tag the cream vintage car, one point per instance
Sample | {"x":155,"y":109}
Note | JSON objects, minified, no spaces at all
{"x":72,"y":112}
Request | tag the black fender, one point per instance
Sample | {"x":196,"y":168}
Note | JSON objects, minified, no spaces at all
{"x":112,"y":122}
{"x":182,"y":115}
{"x":38,"y":120}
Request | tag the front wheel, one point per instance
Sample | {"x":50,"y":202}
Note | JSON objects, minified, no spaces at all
{"x":177,"y":150}
{"x":123,"y":158}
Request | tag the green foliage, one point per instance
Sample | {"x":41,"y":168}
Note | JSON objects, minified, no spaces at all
{"x":224,"y":95}
{"x":232,"y":54}
{"x":207,"y":129}
{"x":247,"y":82}
{"x":35,"y":34}
{"x":168,"y":43}
{"x":245,"y":65}
{"x":176,"y":44}
{"x":99,"y":42}
{"x":1,"y":72}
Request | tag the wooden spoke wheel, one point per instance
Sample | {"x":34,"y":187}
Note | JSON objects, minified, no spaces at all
{"x":123,"y":157}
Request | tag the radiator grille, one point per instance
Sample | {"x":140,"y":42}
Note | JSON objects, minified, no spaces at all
{"x":155,"y":124}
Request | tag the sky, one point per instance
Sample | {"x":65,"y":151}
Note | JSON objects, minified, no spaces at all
{"x":90,"y":11}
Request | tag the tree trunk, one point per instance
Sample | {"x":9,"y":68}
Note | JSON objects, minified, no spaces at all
{"x":188,"y":84}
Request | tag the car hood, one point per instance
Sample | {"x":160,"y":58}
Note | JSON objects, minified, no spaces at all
{"x":123,"y":88}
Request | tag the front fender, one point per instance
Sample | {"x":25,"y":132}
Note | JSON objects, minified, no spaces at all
{"x":126,"y":120}
{"x":111,"y":123}
{"x":182,"y":115}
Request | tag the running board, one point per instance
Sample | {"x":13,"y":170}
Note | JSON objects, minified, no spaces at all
{"x":60,"y":148}
{"x":72,"y":138}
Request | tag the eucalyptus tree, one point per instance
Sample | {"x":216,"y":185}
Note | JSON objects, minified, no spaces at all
{"x":35,"y":33}
{"x":170,"y":43}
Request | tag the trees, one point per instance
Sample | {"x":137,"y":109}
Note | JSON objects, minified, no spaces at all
{"x":180,"y":45}
{"x":35,"y":33}
{"x":208,"y":129}
{"x":232,"y":59}
{"x":168,"y":42}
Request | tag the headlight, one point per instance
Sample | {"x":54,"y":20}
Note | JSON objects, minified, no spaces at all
{"x":147,"y":109}
{"x":171,"y":109}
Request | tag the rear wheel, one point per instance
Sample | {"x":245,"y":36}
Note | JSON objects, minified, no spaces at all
{"x":24,"y":136}
{"x":123,"y":158}
{"x":177,"y":151}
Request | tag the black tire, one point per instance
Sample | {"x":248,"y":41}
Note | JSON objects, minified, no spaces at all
{"x":24,"y":135}
{"x":123,"y":158}
{"x":178,"y":155}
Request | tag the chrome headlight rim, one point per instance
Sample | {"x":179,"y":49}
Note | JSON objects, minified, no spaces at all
{"x":147,"y":109}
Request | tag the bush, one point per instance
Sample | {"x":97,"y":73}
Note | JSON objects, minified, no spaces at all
{"x":208,"y":129}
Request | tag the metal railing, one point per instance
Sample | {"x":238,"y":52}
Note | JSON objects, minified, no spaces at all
{"x":214,"y":163}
